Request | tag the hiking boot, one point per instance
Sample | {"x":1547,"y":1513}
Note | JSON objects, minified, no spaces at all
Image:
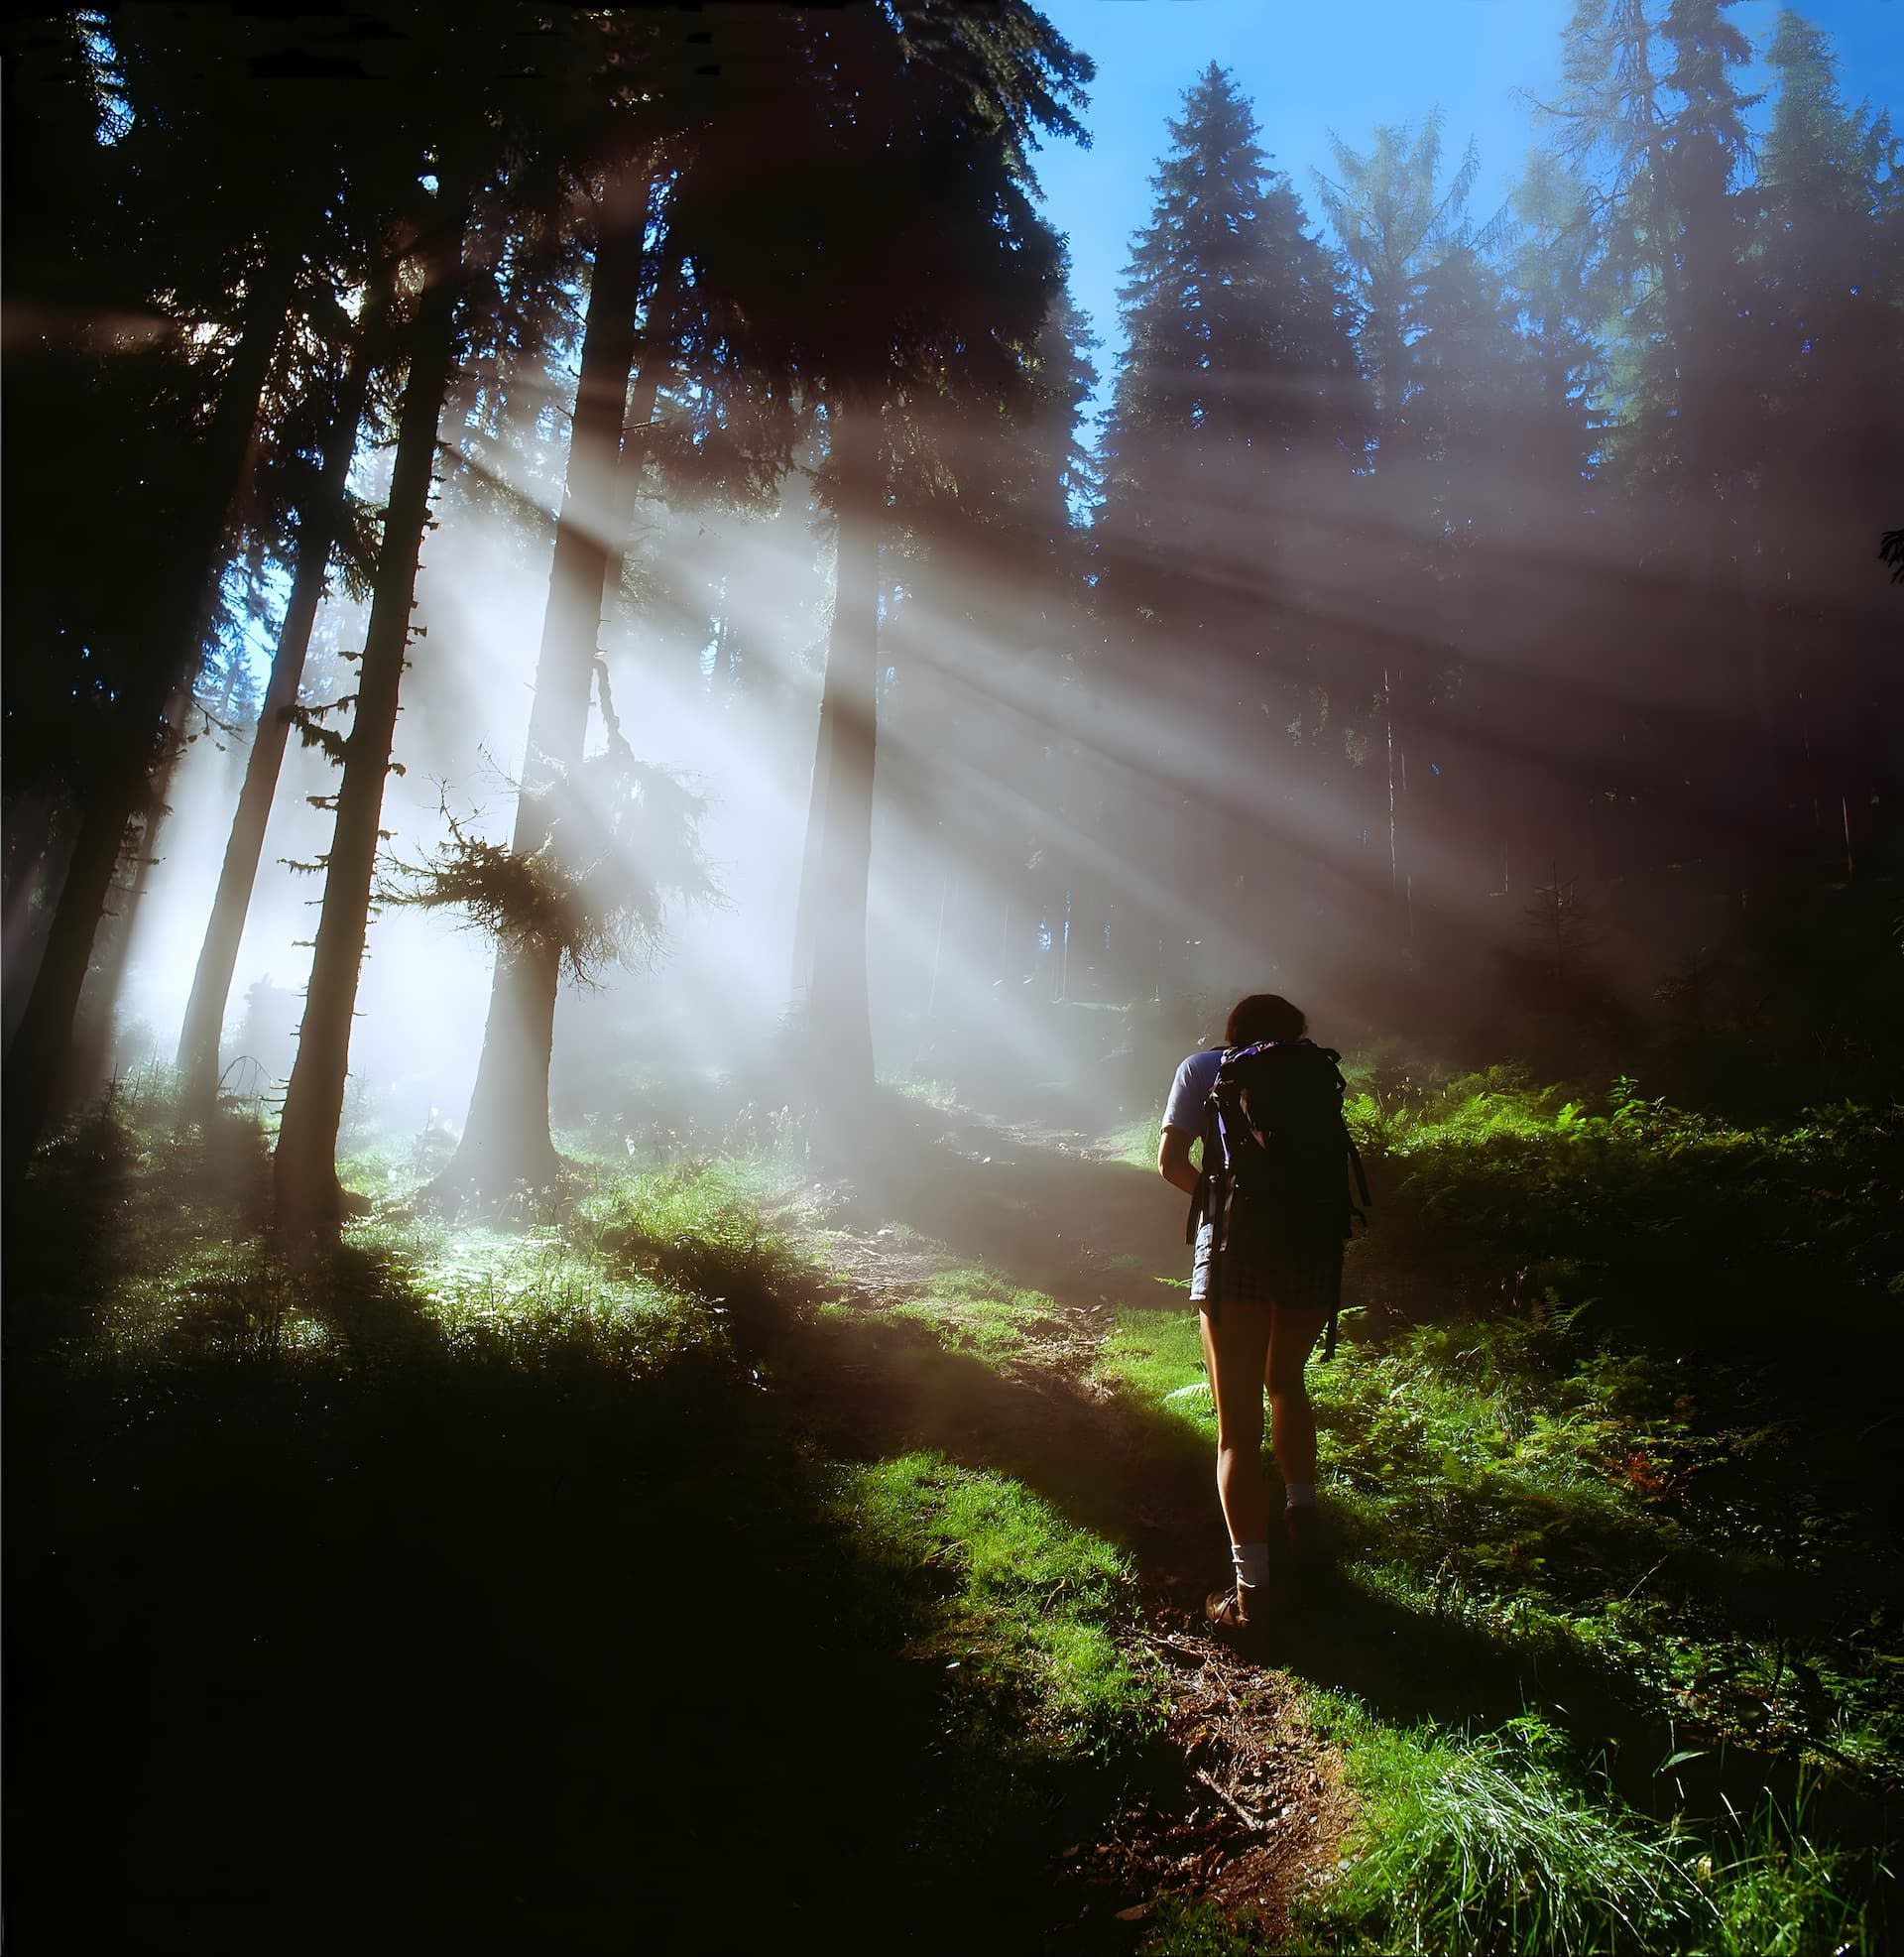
{"x":1308,"y":1550}
{"x":1240,"y":1608}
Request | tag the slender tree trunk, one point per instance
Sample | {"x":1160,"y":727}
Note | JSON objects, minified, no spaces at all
{"x":310,"y":1198}
{"x":181,"y":612}
{"x":43,"y":833}
{"x":840,"y":1014}
{"x":505,"y":1140}
{"x":807,"y":907}
{"x":322,"y":523}
{"x":89,"y":1053}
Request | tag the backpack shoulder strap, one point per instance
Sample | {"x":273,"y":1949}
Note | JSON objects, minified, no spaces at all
{"x":1211,"y":1134}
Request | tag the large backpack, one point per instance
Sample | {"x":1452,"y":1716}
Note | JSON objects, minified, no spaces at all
{"x":1278,"y":1156}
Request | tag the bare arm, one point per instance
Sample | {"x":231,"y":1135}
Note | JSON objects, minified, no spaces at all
{"x":1173,"y":1160}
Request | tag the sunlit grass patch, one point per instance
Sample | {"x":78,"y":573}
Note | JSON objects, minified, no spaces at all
{"x":1487,"y":1474}
{"x":1492,"y":1844}
{"x":1026,"y":1601}
{"x":1138,"y":1142}
{"x":933,"y":1093}
{"x":972,"y":1310}
{"x":1500,"y":1842}
{"x":387,"y":1171}
{"x":696,"y":1225}
{"x":213,"y":1297}
{"x":1485,"y":1438}
{"x":1778,"y":1892}
{"x":527,"y":1295}
{"x":1156,"y":1357}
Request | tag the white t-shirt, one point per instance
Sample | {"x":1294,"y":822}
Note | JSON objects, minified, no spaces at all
{"x":1191,"y":1089}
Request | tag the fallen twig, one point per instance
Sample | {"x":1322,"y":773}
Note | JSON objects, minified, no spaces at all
{"x":1230,"y":1802}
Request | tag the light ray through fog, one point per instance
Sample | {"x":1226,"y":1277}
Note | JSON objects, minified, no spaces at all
{"x":1346,"y":675}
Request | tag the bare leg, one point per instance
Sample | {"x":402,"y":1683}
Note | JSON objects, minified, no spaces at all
{"x":1236,"y":1350}
{"x":1292,"y":1421}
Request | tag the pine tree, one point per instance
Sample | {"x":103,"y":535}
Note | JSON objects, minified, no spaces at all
{"x":1237,"y":416}
{"x":505,"y":1141}
{"x":926,"y":283}
{"x":1828,"y":292}
{"x":322,"y":522}
{"x":310,"y":1201}
{"x":1437,"y":338}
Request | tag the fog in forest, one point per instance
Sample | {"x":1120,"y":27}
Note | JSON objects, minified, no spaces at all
{"x":1466,"y":621}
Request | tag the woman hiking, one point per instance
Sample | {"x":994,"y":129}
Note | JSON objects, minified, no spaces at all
{"x":1268,"y":1275}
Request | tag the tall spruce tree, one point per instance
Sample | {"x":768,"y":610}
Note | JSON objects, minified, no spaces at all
{"x":882,"y":248}
{"x":1436,"y":338}
{"x":1828,"y":292}
{"x":505,"y":1141}
{"x":324,"y":522}
{"x":1238,"y":413}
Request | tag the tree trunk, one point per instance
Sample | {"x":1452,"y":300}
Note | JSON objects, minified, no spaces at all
{"x":806,"y":907}
{"x":310,"y":1198}
{"x":322,"y":520}
{"x":505,"y":1140}
{"x":43,"y":832}
{"x":181,"y":612}
{"x":88,"y":1065}
{"x":838,"y":1014}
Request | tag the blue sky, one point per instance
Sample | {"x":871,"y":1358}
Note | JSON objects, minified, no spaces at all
{"x":1310,"y":67}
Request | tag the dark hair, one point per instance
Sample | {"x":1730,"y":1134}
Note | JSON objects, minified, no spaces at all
{"x":1263,"y":1016}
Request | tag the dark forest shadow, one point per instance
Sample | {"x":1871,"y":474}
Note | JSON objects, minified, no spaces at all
{"x":426,"y":1643}
{"x":491,"y":1649}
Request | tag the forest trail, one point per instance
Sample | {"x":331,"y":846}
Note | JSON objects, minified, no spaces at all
{"x":1241,"y":1805}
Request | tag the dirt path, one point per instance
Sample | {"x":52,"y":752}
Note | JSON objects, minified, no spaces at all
{"x":1241,"y":1805}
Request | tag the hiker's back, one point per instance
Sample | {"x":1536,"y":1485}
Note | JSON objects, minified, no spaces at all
{"x":1277,"y":1150}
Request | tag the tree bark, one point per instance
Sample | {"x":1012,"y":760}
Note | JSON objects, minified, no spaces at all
{"x":807,"y":906}
{"x":839,"y":1013}
{"x":88,"y":1065}
{"x":42,"y":833}
{"x":308,"y":1196}
{"x":322,"y":520}
{"x":181,"y":612}
{"x":506,"y":1139}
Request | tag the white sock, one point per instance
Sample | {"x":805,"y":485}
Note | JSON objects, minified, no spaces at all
{"x":1252,"y":1563}
{"x":1299,"y":1495}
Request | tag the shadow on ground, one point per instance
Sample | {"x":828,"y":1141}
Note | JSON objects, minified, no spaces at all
{"x":410,"y":1653}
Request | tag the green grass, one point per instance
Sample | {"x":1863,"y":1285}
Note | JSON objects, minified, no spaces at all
{"x":1524,"y":1451}
{"x":1503,"y":1842}
{"x":1493,"y":1843}
{"x":969,"y":1309}
{"x":1587,"y":1429}
{"x":1582,"y":1442}
{"x":696,"y":1226}
{"x":1139,"y":1143}
{"x":1156,"y":1358}
{"x":1024,"y":1605}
